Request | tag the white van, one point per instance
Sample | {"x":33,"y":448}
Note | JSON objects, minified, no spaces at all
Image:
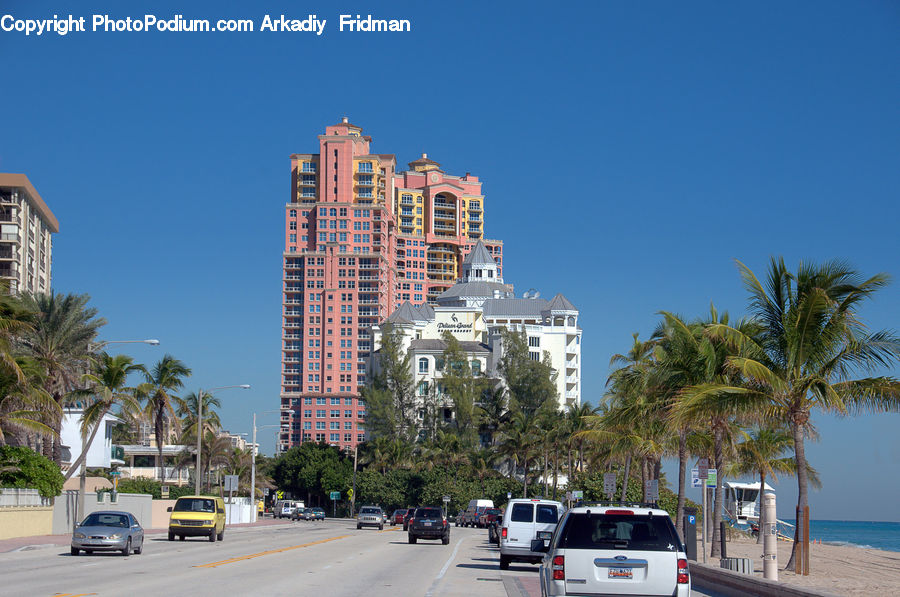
{"x":523,"y":521}
{"x":476,"y":507}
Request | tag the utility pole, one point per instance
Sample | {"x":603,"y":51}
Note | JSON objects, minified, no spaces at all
{"x":353,"y":497}
{"x":253,"y":473}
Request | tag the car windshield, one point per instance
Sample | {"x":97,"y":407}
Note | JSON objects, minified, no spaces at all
{"x":494,"y":511}
{"x":194,"y":505}
{"x":318,"y":510}
{"x":98,"y":519}
{"x":370,"y":511}
{"x":620,"y":532}
{"x":428,"y":513}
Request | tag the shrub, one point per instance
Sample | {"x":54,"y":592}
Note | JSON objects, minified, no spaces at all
{"x":23,"y":468}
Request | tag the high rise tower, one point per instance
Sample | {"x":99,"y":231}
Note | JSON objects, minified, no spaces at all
{"x":360,"y":239}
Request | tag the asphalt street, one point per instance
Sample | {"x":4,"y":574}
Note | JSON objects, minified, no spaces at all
{"x":302,"y":558}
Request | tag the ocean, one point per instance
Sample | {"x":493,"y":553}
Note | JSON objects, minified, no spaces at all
{"x":856,"y":533}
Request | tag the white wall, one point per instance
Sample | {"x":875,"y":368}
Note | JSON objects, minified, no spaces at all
{"x":99,"y":454}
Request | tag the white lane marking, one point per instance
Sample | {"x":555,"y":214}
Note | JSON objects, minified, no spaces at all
{"x":443,"y":571}
{"x":327,"y":567}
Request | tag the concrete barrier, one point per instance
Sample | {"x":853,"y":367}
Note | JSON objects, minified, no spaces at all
{"x":733,"y":584}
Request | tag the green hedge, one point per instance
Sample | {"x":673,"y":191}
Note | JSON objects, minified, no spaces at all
{"x":152,"y":487}
{"x":23,"y":468}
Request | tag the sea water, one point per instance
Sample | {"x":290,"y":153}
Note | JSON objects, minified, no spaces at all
{"x":856,"y":533}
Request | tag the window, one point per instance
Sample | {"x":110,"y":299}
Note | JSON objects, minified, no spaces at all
{"x":320,"y":414}
{"x":625,"y":532}
{"x":365,"y":166}
{"x":335,"y":414}
{"x":522,"y":513}
{"x":476,"y":367}
{"x":320,"y":424}
{"x":534,"y":356}
{"x":335,"y":437}
{"x":348,"y":424}
{"x":423,"y":365}
{"x":534,"y":341}
{"x":546,"y":513}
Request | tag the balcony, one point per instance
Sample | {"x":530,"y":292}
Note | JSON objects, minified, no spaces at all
{"x":7,"y":236}
{"x":474,"y":206}
{"x":571,"y":379}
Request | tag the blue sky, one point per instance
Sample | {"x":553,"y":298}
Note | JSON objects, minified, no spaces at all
{"x":630,"y":152}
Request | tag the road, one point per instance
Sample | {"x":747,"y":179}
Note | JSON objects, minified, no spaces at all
{"x":301,"y":558}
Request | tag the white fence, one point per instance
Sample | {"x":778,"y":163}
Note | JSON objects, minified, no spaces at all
{"x":22,"y":497}
{"x":239,"y":510}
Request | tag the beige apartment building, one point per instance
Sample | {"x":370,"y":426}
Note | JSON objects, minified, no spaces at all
{"x":26,"y":225}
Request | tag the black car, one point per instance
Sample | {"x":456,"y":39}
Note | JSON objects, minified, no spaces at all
{"x":429,"y":523}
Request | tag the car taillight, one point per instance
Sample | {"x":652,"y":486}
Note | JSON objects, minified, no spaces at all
{"x":620,"y":512}
{"x":503,"y":533}
{"x":559,"y":568}
{"x":683,"y":576}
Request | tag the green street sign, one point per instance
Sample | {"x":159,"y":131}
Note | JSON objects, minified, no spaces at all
{"x":711,"y":475}
{"x":335,"y":495}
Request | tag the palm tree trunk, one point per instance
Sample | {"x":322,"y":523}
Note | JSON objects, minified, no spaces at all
{"x":682,"y":468}
{"x":762,"y":510}
{"x":657,"y":468}
{"x":525,"y":478}
{"x":625,"y":478}
{"x":555,"y":470}
{"x":546,"y":465}
{"x":644,"y":475}
{"x":797,"y":429}
{"x":716,"y":550}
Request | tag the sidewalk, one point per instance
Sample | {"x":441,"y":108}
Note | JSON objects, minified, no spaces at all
{"x":39,"y":541}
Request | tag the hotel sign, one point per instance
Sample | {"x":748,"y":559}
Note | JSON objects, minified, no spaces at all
{"x":455,"y":325}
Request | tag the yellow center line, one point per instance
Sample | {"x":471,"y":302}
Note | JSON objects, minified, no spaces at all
{"x":265,"y":553}
{"x":388,"y":530}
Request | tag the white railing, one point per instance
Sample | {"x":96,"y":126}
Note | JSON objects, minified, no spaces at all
{"x":18,"y":498}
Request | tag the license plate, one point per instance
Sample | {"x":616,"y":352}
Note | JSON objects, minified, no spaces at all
{"x":544,"y":534}
{"x":428,"y":524}
{"x":619,"y":573}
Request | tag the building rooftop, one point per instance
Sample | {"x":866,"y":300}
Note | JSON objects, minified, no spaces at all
{"x":561,"y":303}
{"x":514,"y":307}
{"x":479,"y":255}
{"x":9,"y":179}
{"x":478,"y":289}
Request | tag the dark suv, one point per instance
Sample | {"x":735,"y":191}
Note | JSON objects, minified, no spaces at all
{"x":429,"y":523}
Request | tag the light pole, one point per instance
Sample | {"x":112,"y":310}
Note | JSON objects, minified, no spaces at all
{"x":243,"y":386}
{"x":253,"y":463}
{"x":82,"y":480}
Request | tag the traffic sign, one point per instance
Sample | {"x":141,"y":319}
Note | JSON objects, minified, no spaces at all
{"x":350,"y":493}
{"x":703,"y":466}
{"x":335,"y":495}
{"x":231,"y":482}
{"x":279,"y":495}
{"x":114,"y":473}
{"x":446,"y":499}
{"x":652,"y":490}
{"x":696,"y":481}
{"x":711,"y":478}
{"x":577,"y":495}
{"x":609,"y":485}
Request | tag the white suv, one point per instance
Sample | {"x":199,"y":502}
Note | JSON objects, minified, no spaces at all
{"x":614,"y":550}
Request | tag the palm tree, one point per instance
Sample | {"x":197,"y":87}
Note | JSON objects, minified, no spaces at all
{"x":24,"y":404}
{"x":761,"y":454}
{"x":59,"y":340}
{"x":517,"y":443}
{"x":187,"y":412}
{"x":106,"y":389}
{"x":811,"y":347}
{"x":165,"y":377}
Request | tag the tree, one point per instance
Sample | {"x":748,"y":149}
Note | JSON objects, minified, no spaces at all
{"x":106,"y":390}
{"x":761,"y":454}
{"x":461,"y":385}
{"x":390,"y":399}
{"x":187,"y":412}
{"x":530,"y":383}
{"x":24,"y":404}
{"x":166,"y":377}
{"x":808,"y":354}
{"x":24,"y":468}
{"x":60,"y":340}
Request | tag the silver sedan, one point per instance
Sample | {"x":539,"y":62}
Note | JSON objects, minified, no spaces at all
{"x":108,"y":531}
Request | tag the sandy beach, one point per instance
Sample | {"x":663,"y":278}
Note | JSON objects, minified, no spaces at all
{"x":836,"y":569}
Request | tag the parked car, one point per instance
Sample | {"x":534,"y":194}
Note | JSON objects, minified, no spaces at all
{"x":523,"y":521}
{"x":318,"y":514}
{"x":489,"y":516}
{"x":409,"y":514}
{"x":429,"y":523}
{"x":476,"y":507}
{"x":398,"y":516}
{"x":198,"y":515}
{"x":492,"y":518}
{"x":604,"y":550}
{"x":460,"y":517}
{"x":370,"y":516}
{"x":108,"y":531}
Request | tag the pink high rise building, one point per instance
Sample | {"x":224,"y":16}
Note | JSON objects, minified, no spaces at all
{"x":360,"y":239}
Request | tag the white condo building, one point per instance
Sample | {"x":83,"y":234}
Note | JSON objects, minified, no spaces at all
{"x":26,"y":226}
{"x":474,"y":310}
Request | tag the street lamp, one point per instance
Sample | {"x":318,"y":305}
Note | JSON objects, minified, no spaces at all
{"x":253,"y":462}
{"x":82,"y":481}
{"x":244,"y":386}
